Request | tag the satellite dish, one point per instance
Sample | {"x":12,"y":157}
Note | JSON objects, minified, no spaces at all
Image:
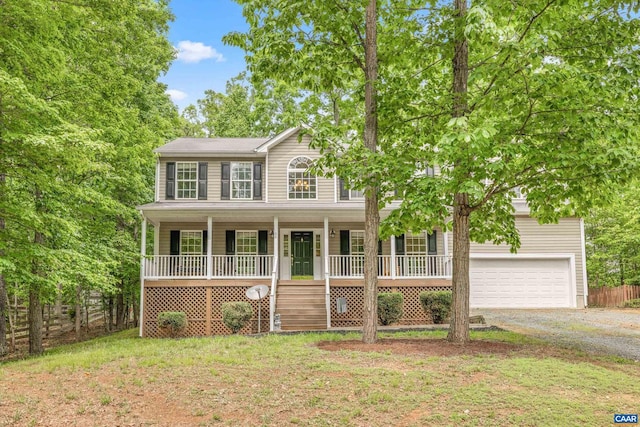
{"x":258,"y":292}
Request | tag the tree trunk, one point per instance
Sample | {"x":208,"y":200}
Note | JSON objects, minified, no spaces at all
{"x":120,"y":307}
{"x":110,"y":317}
{"x":78,"y":310}
{"x":4,"y":307}
{"x":371,"y":213}
{"x":35,"y":322}
{"x":459,"y":324}
{"x":4,"y":312}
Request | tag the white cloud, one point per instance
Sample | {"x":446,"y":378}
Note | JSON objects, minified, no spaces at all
{"x":176,"y":95}
{"x":189,"y":51}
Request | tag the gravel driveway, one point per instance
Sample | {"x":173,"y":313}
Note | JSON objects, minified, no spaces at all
{"x":595,"y":330}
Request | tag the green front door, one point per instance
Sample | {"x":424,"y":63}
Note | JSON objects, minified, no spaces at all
{"x":302,"y":255}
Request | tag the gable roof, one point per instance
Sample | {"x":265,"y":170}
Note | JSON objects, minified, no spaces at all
{"x":277,"y":139}
{"x":184,"y":147}
{"x":213,"y":146}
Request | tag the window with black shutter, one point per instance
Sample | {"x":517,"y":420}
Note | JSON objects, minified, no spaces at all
{"x":202,"y":180}
{"x":257,"y":181}
{"x":225,"y":184}
{"x":170,"y":189}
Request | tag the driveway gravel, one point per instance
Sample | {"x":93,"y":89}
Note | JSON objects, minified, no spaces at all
{"x":595,"y":330}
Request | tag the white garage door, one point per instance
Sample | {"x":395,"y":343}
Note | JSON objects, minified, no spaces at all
{"x":521,"y":283}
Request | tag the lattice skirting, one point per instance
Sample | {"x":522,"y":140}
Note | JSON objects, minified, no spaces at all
{"x":202,"y":304}
{"x":413,"y":314}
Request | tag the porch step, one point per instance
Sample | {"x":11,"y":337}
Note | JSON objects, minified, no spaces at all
{"x":301,"y":305}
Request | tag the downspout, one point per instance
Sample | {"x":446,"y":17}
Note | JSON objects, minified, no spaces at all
{"x":584,"y":264}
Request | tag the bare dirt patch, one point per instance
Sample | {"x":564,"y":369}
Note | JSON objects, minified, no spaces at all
{"x":430,"y":347}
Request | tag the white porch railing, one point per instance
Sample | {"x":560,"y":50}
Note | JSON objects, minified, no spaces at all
{"x":407,"y":266}
{"x":195,"y":266}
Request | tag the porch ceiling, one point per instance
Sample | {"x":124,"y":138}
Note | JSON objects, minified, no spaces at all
{"x":247,"y":212}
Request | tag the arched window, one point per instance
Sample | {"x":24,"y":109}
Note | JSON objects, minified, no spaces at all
{"x":302,"y":184}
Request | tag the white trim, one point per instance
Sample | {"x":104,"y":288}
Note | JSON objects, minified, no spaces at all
{"x":265,"y":146}
{"x":393,"y":257}
{"x":335,"y":189}
{"x":315,"y":177}
{"x":257,"y":241}
{"x":244,"y":199}
{"x":158,"y":179}
{"x":584,"y":263}
{"x":568,"y":256}
{"x":209,"y":246}
{"x":190,"y":231}
{"x":156,"y":239}
{"x":445,"y":242}
{"x":265,"y":186}
{"x":176,"y":180}
{"x":143,"y":250}
{"x":327,"y":284}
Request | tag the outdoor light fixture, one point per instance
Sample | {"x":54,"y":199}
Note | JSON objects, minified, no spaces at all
{"x":271,"y":233}
{"x":332,"y":233}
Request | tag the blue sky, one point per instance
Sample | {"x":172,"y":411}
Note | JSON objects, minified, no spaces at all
{"x":203,"y":61}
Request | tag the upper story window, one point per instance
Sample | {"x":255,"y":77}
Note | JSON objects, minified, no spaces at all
{"x":302,"y":184}
{"x":241,"y":181}
{"x":348,"y":194}
{"x":186,"y":180}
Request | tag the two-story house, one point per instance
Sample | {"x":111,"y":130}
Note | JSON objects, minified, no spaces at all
{"x":231,"y":213}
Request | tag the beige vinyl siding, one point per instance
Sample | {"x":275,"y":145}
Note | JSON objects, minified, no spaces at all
{"x":279,"y":158}
{"x":563,"y":237}
{"x":213,"y":175}
{"x":219,"y":234}
{"x":334,"y":243}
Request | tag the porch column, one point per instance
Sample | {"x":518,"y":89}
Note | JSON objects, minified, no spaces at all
{"x":156,"y":239}
{"x":393,"y":258}
{"x":274,"y":274}
{"x":327,"y":285}
{"x":143,"y":250}
{"x":209,"y":254}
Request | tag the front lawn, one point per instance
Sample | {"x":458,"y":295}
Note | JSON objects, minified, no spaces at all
{"x":294,"y":380}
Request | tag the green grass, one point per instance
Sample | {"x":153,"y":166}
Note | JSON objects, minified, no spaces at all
{"x":288,"y":380}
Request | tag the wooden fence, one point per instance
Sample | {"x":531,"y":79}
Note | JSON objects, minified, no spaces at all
{"x":57,"y":319}
{"x":612,"y":297}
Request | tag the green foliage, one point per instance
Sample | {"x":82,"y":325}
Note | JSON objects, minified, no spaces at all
{"x":261,"y":109}
{"x":437,"y":304}
{"x":82,"y":111}
{"x":235,"y":315}
{"x":612,"y":234}
{"x":390,"y":307}
{"x":173,"y":321}
{"x":632,"y":303}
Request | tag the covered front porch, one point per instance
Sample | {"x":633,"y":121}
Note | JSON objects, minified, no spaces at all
{"x":315,"y":253}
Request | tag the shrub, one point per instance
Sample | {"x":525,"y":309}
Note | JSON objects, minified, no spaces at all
{"x":235,"y":315}
{"x":437,"y":304}
{"x":632,"y":303}
{"x":173,"y":321}
{"x":389,"y":307}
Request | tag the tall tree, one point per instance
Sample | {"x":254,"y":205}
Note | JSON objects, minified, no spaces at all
{"x":81,"y":111}
{"x":550,"y":108}
{"x":330,"y":52}
{"x":544,"y":99}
